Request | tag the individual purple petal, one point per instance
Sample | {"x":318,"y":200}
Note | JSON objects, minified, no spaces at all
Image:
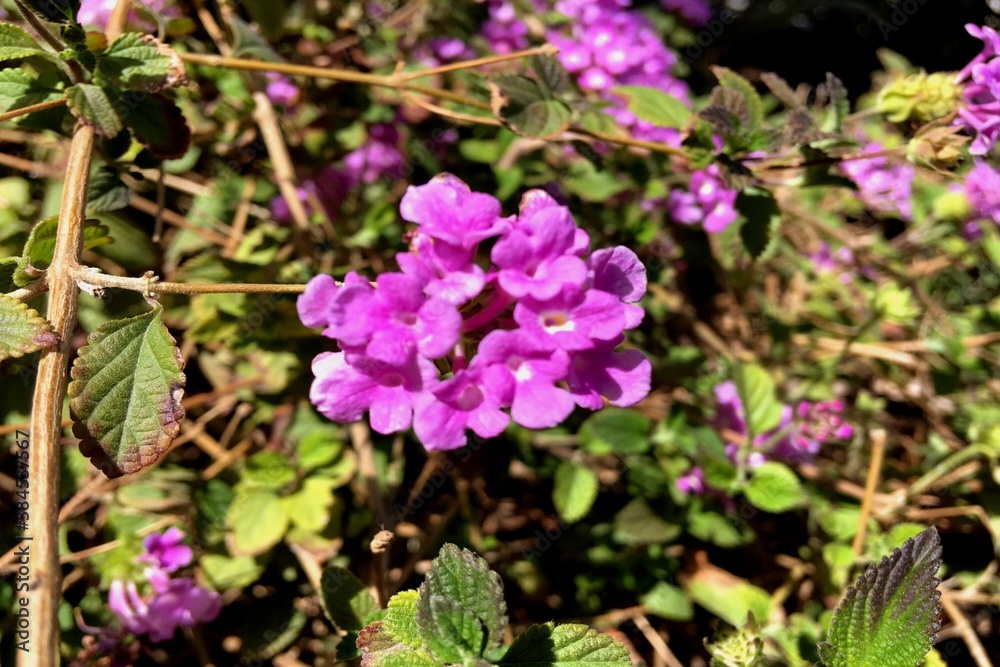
{"x":618,"y":271}
{"x":182,"y":605}
{"x":572,"y":320}
{"x":693,"y":482}
{"x":446,"y":209}
{"x":167,"y":550}
{"x":401,"y":315}
{"x":314,"y":303}
{"x":445,"y":271}
{"x":534,"y":368}
{"x":534,"y":258}
{"x":623,"y":378}
{"x":326,"y":302}
{"x":132,"y":612}
{"x":471,"y":399}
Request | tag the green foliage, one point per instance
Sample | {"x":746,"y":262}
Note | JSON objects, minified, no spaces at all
{"x":139,"y":62}
{"x":22,"y":330}
{"x":346,"y":600}
{"x":41,"y":245}
{"x":567,"y":645}
{"x":126,"y":393}
{"x":762,"y":410}
{"x":774,"y":487}
{"x":95,"y":106}
{"x":527,"y":107}
{"x":16,"y":43}
{"x":655,"y":106}
{"x":615,"y":431}
{"x":763,"y":220}
{"x":575,"y":491}
{"x":889,"y":616}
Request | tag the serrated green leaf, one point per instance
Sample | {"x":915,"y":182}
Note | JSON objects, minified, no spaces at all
{"x":401,"y":620}
{"x":840,"y":103}
{"x":552,"y":76}
{"x":774,"y":487}
{"x":16,"y":43}
{"x":345,"y":598}
{"x":18,"y":89}
{"x":761,"y":408}
{"x":754,"y":106}
{"x":763,"y":219}
{"x":106,"y":191}
{"x":140,"y":62}
{"x":41,"y":245}
{"x":377,"y":648}
{"x":409,"y":659}
{"x":654,"y":106}
{"x":256,"y":522}
{"x":159,"y":125}
{"x":453,"y":634}
{"x":267,"y":469}
{"x":54,"y":11}
{"x":575,"y":491}
{"x":8,"y":267}
{"x":526,"y":108}
{"x":889,"y":617}
{"x":567,"y":645}
{"x":309,"y":507}
{"x":461,"y":584}
{"x":95,"y":107}
{"x":22,"y":330}
{"x":126,"y":393}
{"x":615,"y":431}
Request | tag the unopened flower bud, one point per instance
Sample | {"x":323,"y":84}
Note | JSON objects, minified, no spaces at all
{"x":937,"y":147}
{"x":921,"y":97}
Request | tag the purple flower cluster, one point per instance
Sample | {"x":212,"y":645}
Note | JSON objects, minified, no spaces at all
{"x":981,"y":112}
{"x":606,"y":45}
{"x":882,"y":187}
{"x":982,"y":190}
{"x":95,"y":13}
{"x":798,"y":436}
{"x":379,"y":157}
{"x":446,"y":345}
{"x":504,"y":31}
{"x":175,"y":602}
{"x":707,"y":201}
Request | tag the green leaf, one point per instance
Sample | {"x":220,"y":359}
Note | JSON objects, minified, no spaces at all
{"x":889,"y":617}
{"x":126,"y":393}
{"x":567,"y":645}
{"x":637,"y":523}
{"x":526,"y":108}
{"x":16,"y":43}
{"x":379,"y":648}
{"x":774,"y":487}
{"x":461,"y":600}
{"x":41,"y":245}
{"x":761,"y":408}
{"x":552,"y":76}
{"x":575,"y":491}
{"x":309,"y":507}
{"x":54,"y":11}
{"x":257,"y":522}
{"x":730,"y":600}
{"x":159,"y":125}
{"x":754,"y":106}
{"x":18,"y":89}
{"x":763,"y":219}
{"x":92,"y":105}
{"x":22,"y":330}
{"x":840,"y":103}
{"x":409,"y":659}
{"x":654,"y":106}
{"x":8,"y":267}
{"x":615,"y":431}
{"x":248,"y":43}
{"x":268,"y":469}
{"x":669,"y":602}
{"x":345,"y":598}
{"x":141,"y":62}
{"x":401,"y":619}
{"x":106,"y":191}
{"x":224,"y":572}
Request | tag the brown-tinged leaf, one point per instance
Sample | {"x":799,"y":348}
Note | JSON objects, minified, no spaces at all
{"x":22,"y":330}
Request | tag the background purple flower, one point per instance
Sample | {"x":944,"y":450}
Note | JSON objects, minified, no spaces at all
{"x":883,"y":187}
{"x":708,"y":201}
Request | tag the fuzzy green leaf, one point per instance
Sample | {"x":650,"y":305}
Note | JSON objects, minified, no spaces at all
{"x":754,"y":106}
{"x":654,"y":106}
{"x":345,"y":598}
{"x":761,"y":408}
{"x":889,"y":617}
{"x":159,"y":125}
{"x":568,"y":645}
{"x":22,"y":330}
{"x":54,"y":11}
{"x":257,"y":522}
{"x":575,"y":491}
{"x":141,"y":62}
{"x":763,"y":219}
{"x":18,"y":89}
{"x":774,"y":487}
{"x":409,"y":659}
{"x":459,"y":593}
{"x":94,"y":106}
{"x":41,"y":245}
{"x":617,"y":431}
{"x":526,"y":108}
{"x":16,"y":43}
{"x":106,"y":192}
{"x":401,"y":619}
{"x":8,"y":267}
{"x":126,"y":393}
{"x":378,"y":649}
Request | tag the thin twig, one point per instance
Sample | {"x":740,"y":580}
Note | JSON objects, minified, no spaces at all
{"x":976,"y":648}
{"x":874,"y":474}
{"x":284,"y":172}
{"x":148,"y":284}
{"x":544,"y":50}
{"x":24,"y":111}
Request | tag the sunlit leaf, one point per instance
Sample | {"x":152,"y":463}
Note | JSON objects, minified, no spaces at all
{"x":22,"y":330}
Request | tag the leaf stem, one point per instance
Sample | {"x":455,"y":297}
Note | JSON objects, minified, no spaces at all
{"x":47,"y":407}
{"x":544,"y":50}
{"x":149,"y":284}
{"x":24,"y":111}
{"x":30,"y":290}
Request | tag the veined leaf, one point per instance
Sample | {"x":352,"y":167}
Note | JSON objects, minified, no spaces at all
{"x":41,"y":245}
{"x":22,"y":330}
{"x":257,"y":522}
{"x":126,"y":393}
{"x":755,"y":107}
{"x":526,"y":108}
{"x":346,"y":600}
{"x":888,"y":618}
{"x":54,"y":11}
{"x":92,"y":105}
{"x":16,"y":43}
{"x":459,"y":593}
{"x":379,"y":648}
{"x":654,"y":106}
{"x":401,"y":619}
{"x":18,"y":89}
{"x":8,"y":267}
{"x":761,"y":408}
{"x":575,"y":490}
{"x":774,"y":487}
{"x":159,"y":125}
{"x":763,"y":219}
{"x":568,"y":645}
{"x":141,"y":62}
